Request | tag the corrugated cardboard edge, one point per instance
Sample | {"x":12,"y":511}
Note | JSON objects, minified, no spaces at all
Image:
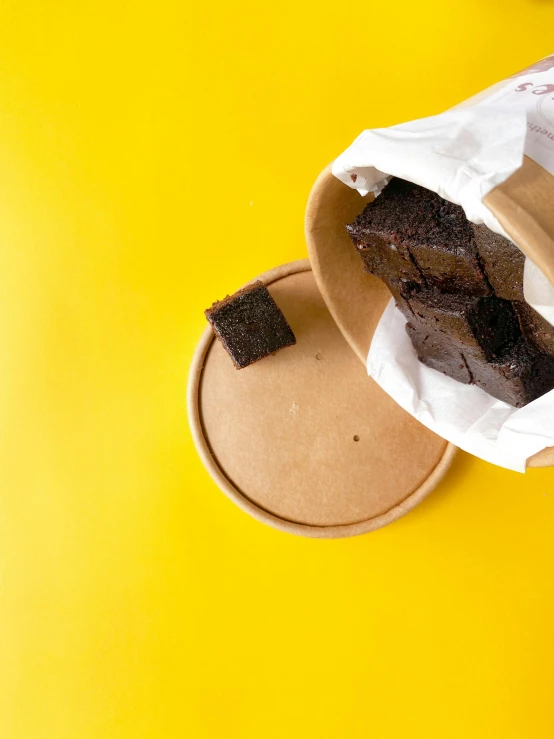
{"x":217,"y":474}
{"x":519,"y":204}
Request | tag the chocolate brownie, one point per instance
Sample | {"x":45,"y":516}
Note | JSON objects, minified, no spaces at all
{"x":401,"y":291}
{"x":250,"y":325}
{"x":411,"y":233}
{"x":518,"y":377}
{"x":460,"y":286}
{"x":438,"y":352}
{"x":383,"y":257}
{"x":485,"y":327}
{"x":535,"y":327}
{"x":502,"y":262}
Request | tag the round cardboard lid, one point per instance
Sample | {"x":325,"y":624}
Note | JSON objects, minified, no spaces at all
{"x":355,"y":299}
{"x":304,"y":440}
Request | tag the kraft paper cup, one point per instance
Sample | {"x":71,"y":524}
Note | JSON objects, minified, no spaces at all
{"x":357,"y":300}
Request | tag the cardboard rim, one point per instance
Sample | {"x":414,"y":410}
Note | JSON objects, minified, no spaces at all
{"x":218,"y":475}
{"x":322,"y":186}
{"x":317,"y":194}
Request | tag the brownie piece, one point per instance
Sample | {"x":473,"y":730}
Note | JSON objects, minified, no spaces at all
{"x":250,"y":325}
{"x":502,"y":262}
{"x":535,"y":327}
{"x":438,"y":352}
{"x":411,"y":233}
{"x":383,"y":257}
{"x":486,"y":327}
{"x":518,"y":377}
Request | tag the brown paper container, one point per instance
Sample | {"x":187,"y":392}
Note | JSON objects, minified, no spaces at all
{"x":304,"y":440}
{"x":356,"y":300}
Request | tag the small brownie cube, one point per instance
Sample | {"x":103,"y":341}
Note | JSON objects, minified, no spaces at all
{"x":411,"y":233}
{"x":502,"y":262}
{"x":486,"y":327}
{"x":535,"y":327}
{"x":518,"y":377}
{"x":250,"y":325}
{"x":437,"y":351}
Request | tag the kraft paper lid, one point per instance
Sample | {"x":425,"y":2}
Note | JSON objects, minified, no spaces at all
{"x":304,"y":440}
{"x":356,"y":300}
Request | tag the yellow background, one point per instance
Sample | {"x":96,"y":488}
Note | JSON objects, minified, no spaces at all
{"x":154,"y":156}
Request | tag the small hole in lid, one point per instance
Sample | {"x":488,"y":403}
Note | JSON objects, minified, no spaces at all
{"x":356,"y":437}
